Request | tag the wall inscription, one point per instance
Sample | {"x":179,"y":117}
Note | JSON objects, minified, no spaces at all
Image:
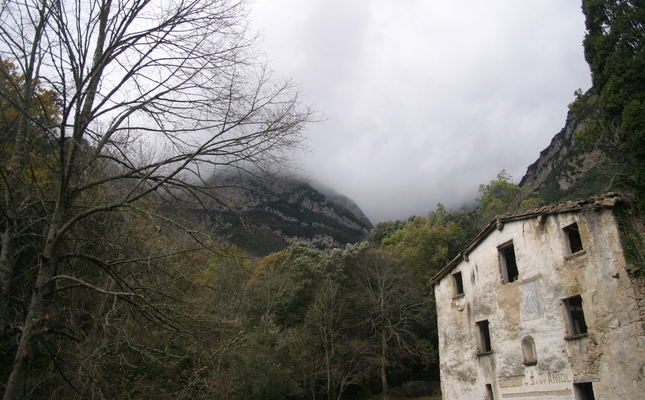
{"x":549,"y":379}
{"x":549,"y":386}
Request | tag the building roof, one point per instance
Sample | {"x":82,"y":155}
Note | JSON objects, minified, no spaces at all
{"x":607,"y":200}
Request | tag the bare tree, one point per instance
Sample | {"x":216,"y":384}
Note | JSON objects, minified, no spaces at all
{"x":394,"y":306}
{"x":152,"y":98}
{"x":341,"y":356}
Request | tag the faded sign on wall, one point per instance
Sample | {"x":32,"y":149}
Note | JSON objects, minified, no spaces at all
{"x":531,"y":304}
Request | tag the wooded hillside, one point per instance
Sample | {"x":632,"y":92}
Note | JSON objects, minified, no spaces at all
{"x":154,"y":244}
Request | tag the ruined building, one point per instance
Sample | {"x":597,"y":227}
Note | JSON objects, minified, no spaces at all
{"x":542,"y":305}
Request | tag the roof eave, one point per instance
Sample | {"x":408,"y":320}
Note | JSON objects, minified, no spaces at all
{"x":606,"y":201}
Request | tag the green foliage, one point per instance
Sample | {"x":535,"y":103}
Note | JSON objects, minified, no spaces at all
{"x":587,"y":107}
{"x":631,"y":237}
{"x":613,"y":48}
{"x":43,"y":112}
{"x":615,"y":110}
{"x":422,"y":246}
{"x":590,"y":184}
{"x":284,"y":285}
{"x":228,"y":258}
{"x":385,"y":229}
{"x":326,"y":305}
{"x":502,"y":196}
{"x":468,"y":222}
{"x":103,"y":293}
{"x":425,"y":245}
{"x":531,"y":201}
{"x":497,"y":196}
{"x":263,"y":368}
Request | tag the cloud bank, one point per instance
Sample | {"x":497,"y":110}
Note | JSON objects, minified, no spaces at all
{"x":425,"y":100}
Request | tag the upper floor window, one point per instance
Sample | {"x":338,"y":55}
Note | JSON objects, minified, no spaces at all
{"x":573,"y":238}
{"x":575,"y":316}
{"x":459,"y":283}
{"x":484,"y":337}
{"x":509,"y":263}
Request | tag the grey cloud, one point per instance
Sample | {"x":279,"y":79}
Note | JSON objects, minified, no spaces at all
{"x":425,"y":100}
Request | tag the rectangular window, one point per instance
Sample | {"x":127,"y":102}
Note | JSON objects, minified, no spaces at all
{"x":484,"y":337}
{"x":489,"y":392}
{"x":573,"y":237}
{"x":509,"y":264}
{"x":575,"y":315}
{"x":583,"y":391}
{"x":459,"y":283}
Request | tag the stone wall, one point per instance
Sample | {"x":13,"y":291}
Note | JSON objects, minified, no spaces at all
{"x":638,"y":284}
{"x":536,"y":308}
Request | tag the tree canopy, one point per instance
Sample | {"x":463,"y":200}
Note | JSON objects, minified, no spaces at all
{"x":501,"y":196}
{"x":615,"y":107}
{"x":425,"y":245}
{"x":114,"y":114}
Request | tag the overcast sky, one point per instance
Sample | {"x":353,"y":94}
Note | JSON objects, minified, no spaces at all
{"x":425,"y":99}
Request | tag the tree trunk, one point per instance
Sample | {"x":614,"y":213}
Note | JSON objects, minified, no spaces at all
{"x":385,"y":394}
{"x":36,"y":313}
{"x":7,"y":262}
{"x":330,"y":395}
{"x":32,"y":328}
{"x":13,"y":195}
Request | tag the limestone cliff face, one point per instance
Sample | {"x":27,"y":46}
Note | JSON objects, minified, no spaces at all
{"x":268,"y":218}
{"x":564,"y":172}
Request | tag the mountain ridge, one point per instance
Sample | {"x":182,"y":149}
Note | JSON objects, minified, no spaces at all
{"x":563,"y":171}
{"x":262,"y":217}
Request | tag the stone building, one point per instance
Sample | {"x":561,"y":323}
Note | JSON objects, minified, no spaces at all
{"x":541,"y":305}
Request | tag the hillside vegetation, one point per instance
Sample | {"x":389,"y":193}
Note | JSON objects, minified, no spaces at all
{"x":152,"y":248}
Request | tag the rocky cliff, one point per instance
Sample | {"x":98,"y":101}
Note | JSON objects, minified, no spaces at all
{"x":265,"y":218}
{"x":563,"y":172}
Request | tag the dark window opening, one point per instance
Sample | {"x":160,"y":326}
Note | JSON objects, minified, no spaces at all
{"x":484,"y":337}
{"x":459,"y":283}
{"x":577,"y":324}
{"x":583,"y":391}
{"x":573,"y":237}
{"x":489,"y":392}
{"x":509,"y":264}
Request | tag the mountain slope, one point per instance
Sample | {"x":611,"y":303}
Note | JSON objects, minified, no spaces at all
{"x":265,"y":218}
{"x":562,"y":172}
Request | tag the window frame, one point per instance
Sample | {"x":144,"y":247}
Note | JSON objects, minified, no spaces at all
{"x":484,"y":342}
{"x":573,"y":238}
{"x":575,"y":318}
{"x":458,"y":282}
{"x":510,"y":270}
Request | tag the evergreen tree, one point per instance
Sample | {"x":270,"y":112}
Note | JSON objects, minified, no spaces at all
{"x":613,"y":48}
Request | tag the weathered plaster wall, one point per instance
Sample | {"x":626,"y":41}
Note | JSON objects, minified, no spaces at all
{"x":612,"y":354}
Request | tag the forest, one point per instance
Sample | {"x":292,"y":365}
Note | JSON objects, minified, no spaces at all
{"x":116,"y":118}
